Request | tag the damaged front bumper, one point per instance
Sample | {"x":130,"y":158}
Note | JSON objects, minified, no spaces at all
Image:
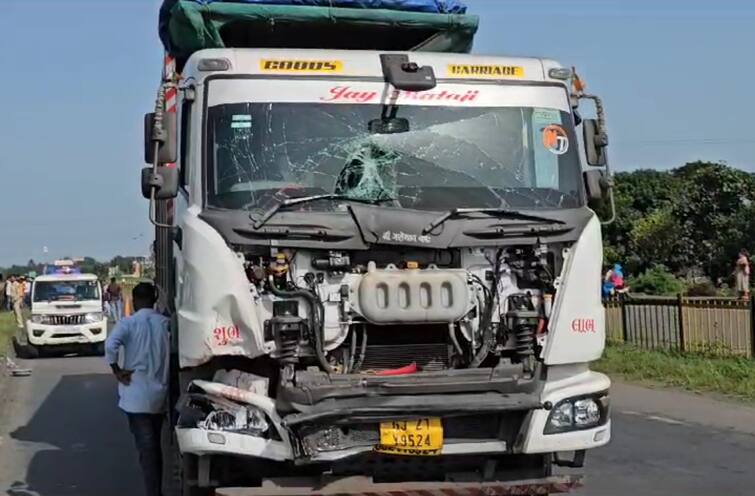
{"x":331,"y":418}
{"x":327,"y":419}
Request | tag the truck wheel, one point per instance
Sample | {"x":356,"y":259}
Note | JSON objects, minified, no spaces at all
{"x":182,"y":473}
{"x":189,"y":468}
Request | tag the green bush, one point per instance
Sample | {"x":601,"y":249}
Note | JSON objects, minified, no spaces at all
{"x":657,"y":281}
{"x":704,"y":288}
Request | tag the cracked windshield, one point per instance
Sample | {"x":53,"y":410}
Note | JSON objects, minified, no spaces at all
{"x":422,"y":157}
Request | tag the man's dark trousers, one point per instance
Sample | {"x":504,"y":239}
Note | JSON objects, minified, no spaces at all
{"x":146,"y":428}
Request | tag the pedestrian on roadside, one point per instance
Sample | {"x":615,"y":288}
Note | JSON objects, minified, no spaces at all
{"x":18,"y":301}
{"x":106,"y":301}
{"x":28,"y":281}
{"x":143,"y":378}
{"x":116,"y":300}
{"x":742,"y":274}
{"x":3,"y":282}
{"x":608,"y":288}
{"x":10,"y":288}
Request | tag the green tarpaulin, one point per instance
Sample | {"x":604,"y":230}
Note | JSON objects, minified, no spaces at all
{"x":187,"y":26}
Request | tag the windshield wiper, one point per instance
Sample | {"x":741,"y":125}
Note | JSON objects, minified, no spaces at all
{"x":306,"y":199}
{"x":495,"y":211}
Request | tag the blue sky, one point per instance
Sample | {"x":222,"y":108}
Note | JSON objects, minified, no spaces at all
{"x":77,"y":75}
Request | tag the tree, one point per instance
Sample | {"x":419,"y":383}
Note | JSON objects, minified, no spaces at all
{"x":638,"y":194}
{"x":707,"y":208}
{"x":654,"y":238}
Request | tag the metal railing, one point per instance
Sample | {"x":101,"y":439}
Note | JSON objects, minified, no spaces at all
{"x":717,"y":326}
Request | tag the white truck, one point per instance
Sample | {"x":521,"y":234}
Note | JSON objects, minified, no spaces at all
{"x":381,"y":267}
{"x":66,"y":311}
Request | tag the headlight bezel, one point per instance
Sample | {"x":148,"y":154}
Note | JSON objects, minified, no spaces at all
{"x":93,"y":317}
{"x":41,"y":319}
{"x":601,"y":400}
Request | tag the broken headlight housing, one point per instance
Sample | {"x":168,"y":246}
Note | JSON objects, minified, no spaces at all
{"x":578,"y":413}
{"x":214,"y":413}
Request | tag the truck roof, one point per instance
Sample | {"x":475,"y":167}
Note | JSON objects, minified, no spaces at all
{"x":292,"y":63}
{"x":66,"y":277}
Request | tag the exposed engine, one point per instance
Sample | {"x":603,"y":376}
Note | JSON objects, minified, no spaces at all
{"x":383,"y":313}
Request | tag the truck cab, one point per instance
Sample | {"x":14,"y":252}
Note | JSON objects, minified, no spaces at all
{"x":384,"y":264}
{"x":66,"y":310}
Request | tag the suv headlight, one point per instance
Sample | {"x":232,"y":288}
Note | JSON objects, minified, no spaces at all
{"x":574,"y":414}
{"x":41,"y":319}
{"x":92,"y":318}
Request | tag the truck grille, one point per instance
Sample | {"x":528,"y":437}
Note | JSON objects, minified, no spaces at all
{"x":67,"y":319}
{"x":428,"y":357}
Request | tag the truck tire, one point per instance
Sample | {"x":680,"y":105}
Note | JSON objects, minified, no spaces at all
{"x":189,"y":476}
{"x":181,"y":470}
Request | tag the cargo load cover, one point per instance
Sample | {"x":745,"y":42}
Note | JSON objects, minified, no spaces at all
{"x":187,"y":26}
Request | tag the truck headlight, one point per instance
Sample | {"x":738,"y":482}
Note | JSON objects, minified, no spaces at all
{"x":93,"y":318}
{"x":578,"y":413}
{"x":215,"y":413}
{"x":586,"y":412}
{"x":244,"y":420}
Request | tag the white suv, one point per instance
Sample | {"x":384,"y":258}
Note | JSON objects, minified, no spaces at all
{"x":66,"y":309}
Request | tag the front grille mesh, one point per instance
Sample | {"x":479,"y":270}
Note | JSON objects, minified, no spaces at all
{"x":428,"y":357}
{"x":67,"y":319}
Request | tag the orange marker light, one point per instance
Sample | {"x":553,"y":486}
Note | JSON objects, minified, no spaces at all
{"x":412,"y":265}
{"x":578,"y":85}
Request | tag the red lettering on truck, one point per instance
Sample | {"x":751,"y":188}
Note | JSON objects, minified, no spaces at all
{"x":348,"y":94}
{"x":583,"y":326}
{"x":225,"y":335}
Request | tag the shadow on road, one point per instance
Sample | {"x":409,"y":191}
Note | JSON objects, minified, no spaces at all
{"x":86,"y":446}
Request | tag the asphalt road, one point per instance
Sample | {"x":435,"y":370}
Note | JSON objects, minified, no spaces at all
{"x":62,"y":435}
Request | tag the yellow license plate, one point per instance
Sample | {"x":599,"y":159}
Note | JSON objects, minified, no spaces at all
{"x":418,"y":437}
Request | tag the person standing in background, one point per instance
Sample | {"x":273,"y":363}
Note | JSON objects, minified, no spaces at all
{"x":9,"y":290}
{"x":106,"y":300}
{"x":116,"y":300}
{"x":742,"y":274}
{"x":18,"y":302}
{"x":2,"y":292}
{"x":28,"y":281}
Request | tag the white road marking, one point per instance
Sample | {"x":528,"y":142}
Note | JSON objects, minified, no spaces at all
{"x":666,"y":420}
{"x":657,"y":418}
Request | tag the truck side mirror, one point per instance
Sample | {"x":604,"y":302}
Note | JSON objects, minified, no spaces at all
{"x":405,"y":75}
{"x":168,"y":151}
{"x":164,"y":180}
{"x":596,"y":186}
{"x":596,"y":142}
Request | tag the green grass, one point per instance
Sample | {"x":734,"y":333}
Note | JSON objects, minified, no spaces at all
{"x":7,"y":328}
{"x":733,"y":377}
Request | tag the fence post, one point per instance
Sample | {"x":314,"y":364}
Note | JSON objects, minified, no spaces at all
{"x":624,"y":322}
{"x":680,"y":317}
{"x":752,"y":326}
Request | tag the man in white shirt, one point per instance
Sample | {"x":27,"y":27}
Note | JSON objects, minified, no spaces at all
{"x":10,"y":290}
{"x":143,"y":378}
